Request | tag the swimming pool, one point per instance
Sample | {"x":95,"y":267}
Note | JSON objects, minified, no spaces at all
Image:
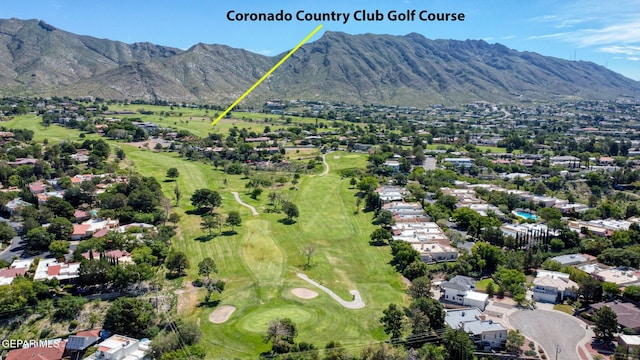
{"x":526,"y":215}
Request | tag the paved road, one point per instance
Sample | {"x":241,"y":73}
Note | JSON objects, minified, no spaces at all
{"x":356,"y":303}
{"x":237,"y":197}
{"x":549,"y":328}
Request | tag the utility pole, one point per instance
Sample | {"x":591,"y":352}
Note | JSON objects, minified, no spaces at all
{"x":558,"y":350}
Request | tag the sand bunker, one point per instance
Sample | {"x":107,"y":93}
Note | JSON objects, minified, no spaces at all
{"x":221,"y":314}
{"x":304,"y":293}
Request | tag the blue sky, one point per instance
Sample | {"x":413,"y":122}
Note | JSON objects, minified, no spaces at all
{"x":606,"y":32}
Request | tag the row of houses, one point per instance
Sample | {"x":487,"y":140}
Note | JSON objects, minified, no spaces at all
{"x":114,"y":347}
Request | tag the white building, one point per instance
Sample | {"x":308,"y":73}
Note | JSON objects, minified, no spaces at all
{"x":51,"y":269}
{"x":461,"y":290}
{"x":484,"y":332}
{"x":119,"y":347}
{"x":553,"y":287}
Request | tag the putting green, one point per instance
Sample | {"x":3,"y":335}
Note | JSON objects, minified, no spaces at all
{"x":257,"y":320}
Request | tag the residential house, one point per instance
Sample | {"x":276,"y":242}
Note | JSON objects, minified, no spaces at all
{"x":553,"y":287}
{"x":7,"y":275}
{"x":435,"y":252}
{"x":461,"y":290}
{"x":14,"y":206}
{"x":52,"y":269}
{"x":80,"y":215}
{"x":566,"y":161}
{"x":484,"y":332}
{"x":78,"y":344}
{"x":573,"y":259}
{"x":51,"y":350}
{"x":628,"y":313}
{"x":119,"y":347}
{"x":620,"y":276}
{"x":37,"y":188}
{"x":459,"y":162}
{"x":629,"y":342}
{"x":393,"y":164}
{"x":390,"y":194}
{"x":120,"y":256}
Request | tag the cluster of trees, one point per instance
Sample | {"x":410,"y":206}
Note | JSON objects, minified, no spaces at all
{"x":421,"y":326}
{"x":206,"y":201}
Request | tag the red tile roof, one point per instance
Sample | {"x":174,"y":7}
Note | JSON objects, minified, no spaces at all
{"x":81,"y":229}
{"x":11,"y":273}
{"x":94,"y":332}
{"x":53,"y":270}
{"x":53,"y":352}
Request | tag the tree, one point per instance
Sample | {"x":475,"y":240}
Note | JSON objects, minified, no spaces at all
{"x":202,"y":198}
{"x":393,"y":322}
{"x":335,"y":351}
{"x":420,"y":287}
{"x":209,"y":222}
{"x":458,"y":344}
{"x":174,"y":218}
{"x":291,"y":210}
{"x":213,"y":285}
{"x":39,"y":239}
{"x":206,"y":267}
{"x":307,"y":251}
{"x":491,"y":289}
{"x":515,"y":340}
{"x":256,"y":192}
{"x":384,"y":218}
{"x":432,"y":352}
{"x":6,"y":233}
{"x":61,"y":228}
{"x":511,"y":279}
{"x":380,"y":236}
{"x":281,"y":333}
{"x":60,"y":207}
{"x":143,"y":255}
{"x":176,"y":193}
{"x":177,"y":262}
{"x":173,"y":173}
{"x":606,"y":323}
{"x":68,"y":307}
{"x":130,"y":316}
{"x":233,"y":219}
{"x":383,"y":352}
{"x":465,"y":217}
{"x":59,"y":248}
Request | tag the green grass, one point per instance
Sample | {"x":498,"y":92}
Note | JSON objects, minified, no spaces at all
{"x":259,"y":263}
{"x":482,"y":284}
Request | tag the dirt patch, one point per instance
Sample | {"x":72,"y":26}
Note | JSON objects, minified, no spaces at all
{"x":304,"y":293}
{"x":188,"y":298}
{"x":221,"y":314}
{"x":336,"y":156}
{"x":150,"y":143}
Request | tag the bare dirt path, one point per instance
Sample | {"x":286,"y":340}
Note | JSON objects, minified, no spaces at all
{"x":326,"y":165}
{"x":237,"y":197}
{"x":356,"y":303}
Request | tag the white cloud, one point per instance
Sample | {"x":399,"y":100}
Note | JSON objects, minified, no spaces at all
{"x":262,"y":52}
{"x":616,"y":49}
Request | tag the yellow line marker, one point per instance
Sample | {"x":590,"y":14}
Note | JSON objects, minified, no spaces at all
{"x":267,"y":74}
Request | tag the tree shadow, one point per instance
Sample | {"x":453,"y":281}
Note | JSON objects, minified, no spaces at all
{"x":228,"y":233}
{"x":201,"y":211}
{"x":210,"y":304}
{"x":172,"y":275}
{"x":205,"y":238}
{"x":287,"y":221}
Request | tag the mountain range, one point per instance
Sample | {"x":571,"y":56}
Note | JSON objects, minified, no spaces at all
{"x":38,"y":59}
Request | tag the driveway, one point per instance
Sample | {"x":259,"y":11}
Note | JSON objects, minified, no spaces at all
{"x":549,"y":328}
